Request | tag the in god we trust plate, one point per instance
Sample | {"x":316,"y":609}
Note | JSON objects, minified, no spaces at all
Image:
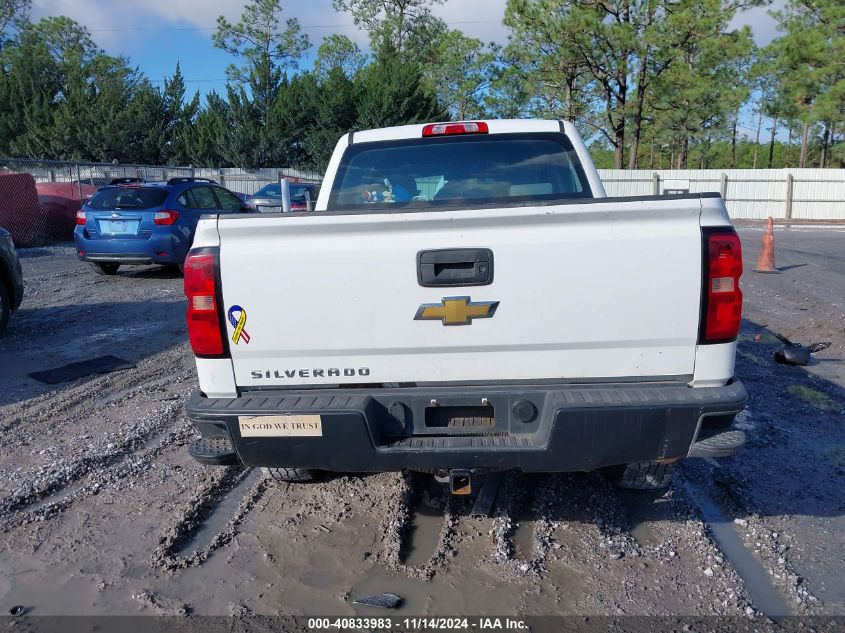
{"x":280,"y":425}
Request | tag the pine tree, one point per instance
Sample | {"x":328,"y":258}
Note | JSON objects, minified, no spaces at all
{"x":460,"y":72}
{"x":391,"y":91}
{"x":144,"y":123}
{"x":29,"y":85}
{"x":338,"y":51}
{"x":208,"y":133}
{"x":401,"y":26}
{"x":335,"y":116}
{"x":810,"y":52}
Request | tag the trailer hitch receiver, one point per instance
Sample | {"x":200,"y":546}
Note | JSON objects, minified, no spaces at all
{"x":460,"y":482}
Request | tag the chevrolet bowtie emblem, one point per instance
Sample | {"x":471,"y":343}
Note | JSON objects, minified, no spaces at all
{"x":456,"y":310}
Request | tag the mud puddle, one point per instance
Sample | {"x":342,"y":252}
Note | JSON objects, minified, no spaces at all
{"x":524,"y":542}
{"x":60,"y":496}
{"x":464,"y":590}
{"x":641,"y":509}
{"x":763,"y":594}
{"x":215,"y":522}
{"x":43,"y":592}
{"x":423,"y":532}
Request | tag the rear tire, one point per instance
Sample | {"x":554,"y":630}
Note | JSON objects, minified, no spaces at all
{"x":5,"y":307}
{"x":642,"y":475}
{"x":104,"y":268}
{"x":290,"y":475}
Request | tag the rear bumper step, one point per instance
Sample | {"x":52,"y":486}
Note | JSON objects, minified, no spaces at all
{"x":572,"y":427}
{"x":721,"y":444}
{"x":214,"y":451}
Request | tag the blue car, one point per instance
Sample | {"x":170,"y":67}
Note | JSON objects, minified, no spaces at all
{"x":147,"y":223}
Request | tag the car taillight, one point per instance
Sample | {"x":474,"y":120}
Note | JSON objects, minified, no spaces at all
{"x":204,"y":329}
{"x":722,"y":298}
{"x":80,"y":217}
{"x":450,"y":129}
{"x":165,"y":217}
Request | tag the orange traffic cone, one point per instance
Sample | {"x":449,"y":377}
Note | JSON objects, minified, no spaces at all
{"x":766,"y":259}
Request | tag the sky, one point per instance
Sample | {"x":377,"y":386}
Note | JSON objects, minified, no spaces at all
{"x":156,"y":34}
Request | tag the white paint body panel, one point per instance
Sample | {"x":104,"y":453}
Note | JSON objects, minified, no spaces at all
{"x":714,"y":364}
{"x":206,"y":234}
{"x":216,"y":378}
{"x":585,"y":291}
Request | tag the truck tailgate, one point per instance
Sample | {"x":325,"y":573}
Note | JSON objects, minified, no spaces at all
{"x":592,"y":290}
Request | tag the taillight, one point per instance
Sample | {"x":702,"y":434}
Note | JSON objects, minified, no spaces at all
{"x":722,"y":298}
{"x":80,"y":217}
{"x":165,"y":217}
{"x":449,"y":129}
{"x":204,"y":330}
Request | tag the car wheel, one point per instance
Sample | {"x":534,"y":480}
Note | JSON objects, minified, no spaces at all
{"x":290,"y":475}
{"x":5,"y":307}
{"x":105,"y":268}
{"x":642,"y":475}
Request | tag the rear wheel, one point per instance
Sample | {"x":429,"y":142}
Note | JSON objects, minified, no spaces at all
{"x":5,"y":307}
{"x":104,"y":268}
{"x":290,"y":475}
{"x":642,"y":475}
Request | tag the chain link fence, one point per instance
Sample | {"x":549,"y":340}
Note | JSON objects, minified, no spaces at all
{"x":39,"y":198}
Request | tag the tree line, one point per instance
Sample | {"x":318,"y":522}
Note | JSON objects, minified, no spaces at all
{"x":650,"y":83}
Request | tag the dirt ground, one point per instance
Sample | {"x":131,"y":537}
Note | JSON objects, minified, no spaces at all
{"x":103,"y":512}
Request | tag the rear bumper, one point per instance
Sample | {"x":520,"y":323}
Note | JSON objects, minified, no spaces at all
{"x":160,"y":248}
{"x":575,"y":427}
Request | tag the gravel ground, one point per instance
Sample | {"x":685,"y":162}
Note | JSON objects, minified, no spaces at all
{"x":103,"y":512}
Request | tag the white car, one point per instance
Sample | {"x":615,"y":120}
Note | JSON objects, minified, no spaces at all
{"x":465,"y":297}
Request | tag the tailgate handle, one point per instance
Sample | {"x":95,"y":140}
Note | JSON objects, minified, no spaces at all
{"x":455,"y":267}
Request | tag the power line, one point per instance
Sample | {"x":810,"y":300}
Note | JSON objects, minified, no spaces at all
{"x":214,"y":28}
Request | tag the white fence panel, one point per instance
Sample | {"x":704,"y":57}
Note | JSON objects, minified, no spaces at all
{"x":246,"y":181}
{"x":800,"y":194}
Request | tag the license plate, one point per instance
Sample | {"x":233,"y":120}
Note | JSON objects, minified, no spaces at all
{"x":119,"y":227}
{"x":280,"y":425}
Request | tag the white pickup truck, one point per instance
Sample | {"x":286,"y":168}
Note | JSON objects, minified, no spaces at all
{"x":466,"y":298}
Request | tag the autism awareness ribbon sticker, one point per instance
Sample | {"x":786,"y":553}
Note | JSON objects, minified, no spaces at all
{"x":238,"y":323}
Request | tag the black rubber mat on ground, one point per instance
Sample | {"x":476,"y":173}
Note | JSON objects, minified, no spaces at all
{"x":99,"y":365}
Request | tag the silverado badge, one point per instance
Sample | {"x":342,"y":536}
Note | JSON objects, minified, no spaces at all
{"x":456,"y":310}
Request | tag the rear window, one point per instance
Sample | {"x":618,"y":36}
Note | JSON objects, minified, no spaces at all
{"x":128,"y":198}
{"x":460,"y":170}
{"x":297,"y":192}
